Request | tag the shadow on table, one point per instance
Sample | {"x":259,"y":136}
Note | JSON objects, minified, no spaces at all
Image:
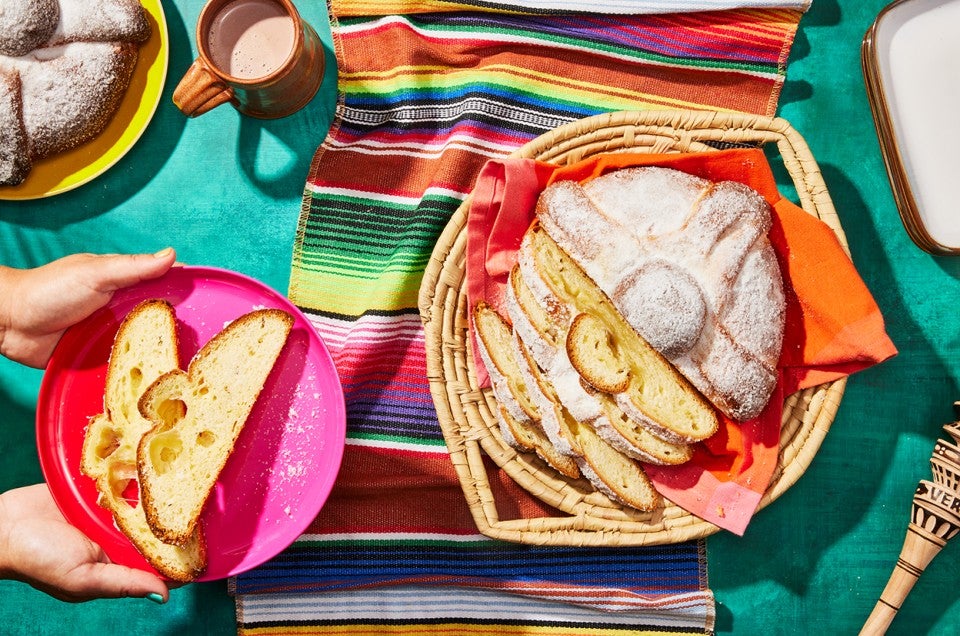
{"x":300,"y":134}
{"x":822,"y":13}
{"x":18,"y":444}
{"x":786,"y":543}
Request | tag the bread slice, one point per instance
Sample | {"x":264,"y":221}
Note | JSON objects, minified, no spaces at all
{"x":197,"y":417}
{"x":145,"y":347}
{"x":594,"y":353}
{"x":610,"y":471}
{"x":519,"y":417}
{"x":542,"y":319}
{"x":657,"y":394}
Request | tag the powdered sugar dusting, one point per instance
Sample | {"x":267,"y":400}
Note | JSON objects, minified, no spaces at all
{"x":74,"y":60}
{"x":100,"y":21}
{"x":689,"y":265}
{"x":26,"y":24}
{"x":71,"y":91}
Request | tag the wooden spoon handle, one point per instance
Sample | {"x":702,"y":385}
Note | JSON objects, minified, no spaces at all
{"x":933,"y":522}
{"x":919,"y":548}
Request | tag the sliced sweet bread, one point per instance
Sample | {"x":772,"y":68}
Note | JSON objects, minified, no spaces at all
{"x":544,"y":396}
{"x":144,"y":348}
{"x":519,"y":417}
{"x":538,"y":315}
{"x":549,"y":329}
{"x":197,"y":416}
{"x":594,"y":353}
{"x":611,"y":472}
{"x":657,"y":395}
{"x":689,"y":264}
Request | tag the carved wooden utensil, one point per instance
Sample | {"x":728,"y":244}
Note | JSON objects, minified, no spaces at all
{"x":935,"y":520}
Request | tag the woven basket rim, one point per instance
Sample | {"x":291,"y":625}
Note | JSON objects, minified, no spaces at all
{"x":467,"y":413}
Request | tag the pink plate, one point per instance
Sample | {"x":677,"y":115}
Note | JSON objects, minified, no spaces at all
{"x":288,"y":454}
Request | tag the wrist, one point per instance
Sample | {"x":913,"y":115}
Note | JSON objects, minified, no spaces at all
{"x":9,"y":281}
{"x":6,"y":291}
{"x":5,"y":557}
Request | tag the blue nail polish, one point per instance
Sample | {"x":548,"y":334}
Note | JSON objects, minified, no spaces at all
{"x":156,"y":598}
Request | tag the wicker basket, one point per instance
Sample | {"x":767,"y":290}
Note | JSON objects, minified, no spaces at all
{"x":467,"y":413}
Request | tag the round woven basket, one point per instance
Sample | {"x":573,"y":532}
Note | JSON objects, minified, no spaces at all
{"x":467,"y":412}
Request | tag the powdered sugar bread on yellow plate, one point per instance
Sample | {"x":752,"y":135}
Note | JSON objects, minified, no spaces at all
{"x":74,"y":60}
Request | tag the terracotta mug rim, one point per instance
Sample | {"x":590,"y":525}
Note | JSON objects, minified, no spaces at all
{"x":203,"y":29}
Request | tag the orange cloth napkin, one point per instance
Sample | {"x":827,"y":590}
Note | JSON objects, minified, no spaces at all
{"x":833,"y":324}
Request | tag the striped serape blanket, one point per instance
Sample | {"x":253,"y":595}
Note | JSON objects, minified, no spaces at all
{"x":428,"y":92}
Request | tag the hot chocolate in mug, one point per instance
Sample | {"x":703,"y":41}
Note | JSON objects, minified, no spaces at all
{"x":259,"y":55}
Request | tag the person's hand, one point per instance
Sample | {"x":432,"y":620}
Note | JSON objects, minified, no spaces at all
{"x":37,"y":305}
{"x":39,"y":547}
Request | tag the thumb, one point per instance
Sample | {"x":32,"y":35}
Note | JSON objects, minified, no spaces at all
{"x":116,"y":271}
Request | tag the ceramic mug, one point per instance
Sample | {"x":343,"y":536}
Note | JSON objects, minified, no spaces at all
{"x":258,"y":55}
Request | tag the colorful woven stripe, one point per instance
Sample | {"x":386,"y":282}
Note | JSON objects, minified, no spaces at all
{"x":632,"y":7}
{"x":448,"y":610}
{"x":331,"y":561}
{"x":425,"y":100}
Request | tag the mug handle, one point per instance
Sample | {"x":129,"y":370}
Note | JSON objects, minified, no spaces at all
{"x":200,"y":90}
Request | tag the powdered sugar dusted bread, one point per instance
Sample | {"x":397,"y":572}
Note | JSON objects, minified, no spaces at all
{"x":549,"y":331}
{"x":689,"y":265}
{"x":145,"y":347}
{"x":26,"y":25}
{"x":70,"y":92}
{"x":656,"y":395}
{"x":14,"y":157}
{"x":100,"y":21}
{"x":518,"y":414}
{"x":74,"y":60}
{"x":611,"y":472}
{"x":197,"y":416}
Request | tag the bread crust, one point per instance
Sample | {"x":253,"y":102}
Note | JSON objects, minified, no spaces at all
{"x":145,"y":346}
{"x":197,"y":416}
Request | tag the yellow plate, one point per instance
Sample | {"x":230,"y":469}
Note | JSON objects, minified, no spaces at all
{"x":76,"y":167}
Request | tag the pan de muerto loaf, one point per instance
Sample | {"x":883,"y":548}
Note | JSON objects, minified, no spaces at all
{"x":689,"y":265}
{"x":64,"y":67}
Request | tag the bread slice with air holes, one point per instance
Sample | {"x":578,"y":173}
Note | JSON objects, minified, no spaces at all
{"x":544,"y":322}
{"x":611,"y":472}
{"x":197,"y":416}
{"x":144,"y":348}
{"x":656,"y":394}
{"x":519,"y":417}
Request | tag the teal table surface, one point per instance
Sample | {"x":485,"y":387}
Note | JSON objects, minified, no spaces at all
{"x":225,"y":191}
